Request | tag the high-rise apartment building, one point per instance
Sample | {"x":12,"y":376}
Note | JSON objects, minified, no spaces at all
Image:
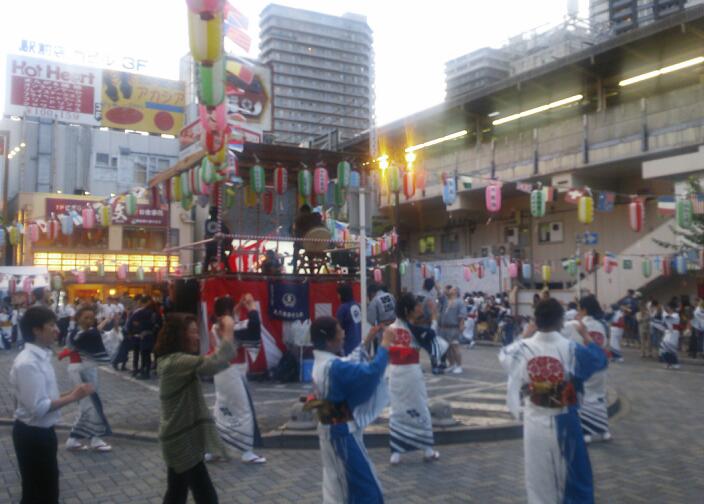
{"x":611,"y":17}
{"x":323,"y":73}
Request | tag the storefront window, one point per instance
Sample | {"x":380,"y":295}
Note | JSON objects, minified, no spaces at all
{"x":96,"y":238}
{"x":143,"y":239}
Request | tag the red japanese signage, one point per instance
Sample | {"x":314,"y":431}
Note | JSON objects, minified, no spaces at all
{"x":145,"y":215}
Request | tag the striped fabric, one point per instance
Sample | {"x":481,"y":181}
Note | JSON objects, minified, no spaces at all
{"x":91,"y":421}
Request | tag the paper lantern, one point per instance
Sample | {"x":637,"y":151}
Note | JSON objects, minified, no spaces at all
{"x":53,"y":228}
{"x":547,"y":273}
{"x":480,"y":271}
{"x":27,"y":285}
{"x":409,"y":184}
{"x":403,"y":267}
{"x":256,"y":179}
{"x":214,"y":119}
{"x":585,"y":209}
{"x":355,"y":179}
{"x":339,"y":193}
{"x":421,"y":179}
{"x":198,"y":268}
{"x":214,"y":141}
{"x":526,"y":271}
{"x":320,"y":180}
{"x":607,"y":264}
{"x":219,"y":157}
{"x":280,"y":179}
{"x":666,"y":266}
{"x":12,"y":285}
{"x":187,"y":202}
{"x":467,"y":273}
{"x":449,"y":191}
{"x":105,"y":215}
{"x":185,"y":185}
{"x":205,"y":37}
{"x":344,"y":169}
{"x":88,"y":217}
{"x":205,"y":7}
{"x":13,"y":235}
{"x":66,"y":225}
{"x":492,"y":266}
{"x":683,"y":213}
{"x":122,"y":271}
{"x":681,"y":264}
{"x":513,"y":270}
{"x":250,"y":197}
{"x":211,"y":83}
{"x":537,"y":203}
{"x":572,"y":267}
{"x":101,"y":269}
{"x":492,"y":195}
{"x":208,"y":172}
{"x":636,"y":215}
{"x":130,"y":204}
{"x":423,"y":271}
{"x":233,"y":166}
{"x":229,"y":197}
{"x":33,"y":232}
{"x":647,"y":268}
{"x":80,"y":276}
{"x":589,"y":261}
{"x":57,"y":282}
{"x":305,"y":183}
{"x":140,"y":274}
{"x":393,"y":178}
{"x":268,"y":202}
{"x":378,"y":277}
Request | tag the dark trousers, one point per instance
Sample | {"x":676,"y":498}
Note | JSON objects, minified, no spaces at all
{"x":196,"y":479}
{"x":36,"y":457}
{"x":146,"y":345}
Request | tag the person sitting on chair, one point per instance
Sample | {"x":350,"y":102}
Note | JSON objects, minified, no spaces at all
{"x":305,"y":221}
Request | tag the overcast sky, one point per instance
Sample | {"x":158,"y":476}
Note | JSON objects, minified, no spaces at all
{"x":412,"y":40}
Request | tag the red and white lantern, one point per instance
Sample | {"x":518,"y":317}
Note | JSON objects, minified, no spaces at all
{"x":320,"y":180}
{"x":122,"y":272}
{"x":33,"y":232}
{"x":513,"y":270}
{"x":53,"y":228}
{"x":409,"y":183}
{"x":467,"y":273}
{"x":423,"y":271}
{"x":493,"y":198}
{"x":88,"y":216}
{"x":421,"y":179}
{"x":27,"y":285}
{"x":636,"y":215}
{"x":480,"y":271}
{"x":280,"y":180}
{"x":377,"y":275}
{"x":589,"y":261}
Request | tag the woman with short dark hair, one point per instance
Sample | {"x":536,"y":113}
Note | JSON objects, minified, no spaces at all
{"x":349,"y":394}
{"x":186,"y":428}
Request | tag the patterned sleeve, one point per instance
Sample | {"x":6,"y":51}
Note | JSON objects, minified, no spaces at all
{"x":588,"y":360}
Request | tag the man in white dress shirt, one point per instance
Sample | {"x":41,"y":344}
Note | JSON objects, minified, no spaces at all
{"x":37,"y":404}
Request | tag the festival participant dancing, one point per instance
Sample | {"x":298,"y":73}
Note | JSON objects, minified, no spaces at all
{"x":85,"y":352}
{"x":671,"y":338}
{"x":547,"y":369}
{"x":410,"y":427}
{"x":234,"y":410}
{"x":349,"y":394}
{"x":186,"y":429}
{"x":593,"y":411}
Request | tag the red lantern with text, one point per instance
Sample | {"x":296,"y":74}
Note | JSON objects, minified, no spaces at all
{"x":409,"y":183}
{"x":320,"y":180}
{"x":636,"y":215}
{"x":280,"y":179}
{"x":493,"y":198}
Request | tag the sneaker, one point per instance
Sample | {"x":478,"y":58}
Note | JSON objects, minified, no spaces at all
{"x":606,"y":436}
{"x":472,"y":344}
{"x":208,"y":457}
{"x":676,"y":366}
{"x":250,"y":457}
{"x":620,"y":359}
{"x":431,"y":456}
{"x":457,"y":370}
{"x":587,"y":438}
{"x":97,"y":444}
{"x":395,"y":459}
{"x":451,"y":369}
{"x":74,"y":444}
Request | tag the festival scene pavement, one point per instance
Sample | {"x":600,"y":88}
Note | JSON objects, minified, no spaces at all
{"x":654,"y":456}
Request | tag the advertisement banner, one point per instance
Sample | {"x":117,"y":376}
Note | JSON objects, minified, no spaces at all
{"x":52,"y":90}
{"x":248,"y":89}
{"x":145,"y":215}
{"x":142,"y":103}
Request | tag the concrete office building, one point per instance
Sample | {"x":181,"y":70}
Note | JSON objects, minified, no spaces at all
{"x":323,"y":72}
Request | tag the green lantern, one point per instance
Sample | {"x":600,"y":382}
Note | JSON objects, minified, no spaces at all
{"x":344,"y":169}
{"x":256,"y":179}
{"x":229,"y":197}
{"x":571,"y":267}
{"x":187,"y":202}
{"x":140,"y":274}
{"x":207,"y":171}
{"x":211,"y":83}
{"x":403,"y":267}
{"x":101,"y":269}
{"x":647,"y":268}
{"x":198,"y":268}
{"x":185,"y":186}
{"x":683,"y":213}
{"x":537,"y":203}
{"x":305,"y":183}
{"x":131,"y":204}
{"x":393,"y":174}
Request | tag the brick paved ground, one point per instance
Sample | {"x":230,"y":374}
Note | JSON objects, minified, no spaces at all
{"x":656,"y":457}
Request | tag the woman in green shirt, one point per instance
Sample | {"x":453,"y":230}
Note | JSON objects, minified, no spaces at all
{"x":186,"y":428}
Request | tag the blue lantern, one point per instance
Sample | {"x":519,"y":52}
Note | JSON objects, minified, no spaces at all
{"x":355,"y":179}
{"x":492,"y":266}
{"x":449,"y":191}
{"x":527,"y":271}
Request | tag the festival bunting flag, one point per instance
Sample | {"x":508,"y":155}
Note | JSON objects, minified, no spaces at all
{"x":239,"y":37}
{"x":605,"y":201}
{"x":235,"y":18}
{"x":666,"y":205}
{"x":550,"y":194}
{"x":572,"y":196}
{"x":524,"y":187}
